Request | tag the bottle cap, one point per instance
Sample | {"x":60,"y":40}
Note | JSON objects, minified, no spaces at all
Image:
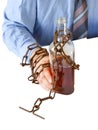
{"x":61,"y":20}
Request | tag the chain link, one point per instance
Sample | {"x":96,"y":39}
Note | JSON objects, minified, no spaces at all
{"x":26,"y":56}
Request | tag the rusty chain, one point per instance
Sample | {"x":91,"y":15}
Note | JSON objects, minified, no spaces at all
{"x":59,"y":48}
{"x":38,"y":103}
{"x":41,"y":53}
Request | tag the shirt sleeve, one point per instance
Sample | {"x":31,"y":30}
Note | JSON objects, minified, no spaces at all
{"x":18,"y":27}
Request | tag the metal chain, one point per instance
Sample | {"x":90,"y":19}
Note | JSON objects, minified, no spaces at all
{"x":41,"y":53}
{"x":35,"y":73}
{"x":38,"y":103}
{"x":36,"y":58}
{"x":59,"y":48}
{"x":25,"y":57}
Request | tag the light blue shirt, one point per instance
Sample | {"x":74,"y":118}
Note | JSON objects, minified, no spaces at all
{"x":34,"y":21}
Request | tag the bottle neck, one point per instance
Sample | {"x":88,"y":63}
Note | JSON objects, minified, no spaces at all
{"x":61,"y":28}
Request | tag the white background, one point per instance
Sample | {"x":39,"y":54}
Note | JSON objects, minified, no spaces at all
{"x":78,"y":111}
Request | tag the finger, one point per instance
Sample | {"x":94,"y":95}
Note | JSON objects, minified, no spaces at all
{"x":48,"y":75}
{"x":44,"y":82}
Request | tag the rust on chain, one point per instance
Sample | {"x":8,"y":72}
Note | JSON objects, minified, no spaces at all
{"x":38,"y":103}
{"x":36,"y":70}
{"x":25,"y":57}
{"x":59,"y":48}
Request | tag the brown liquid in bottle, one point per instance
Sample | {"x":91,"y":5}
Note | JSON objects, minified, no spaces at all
{"x":64,"y":79}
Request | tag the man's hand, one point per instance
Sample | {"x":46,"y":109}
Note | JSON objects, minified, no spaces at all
{"x":45,"y":76}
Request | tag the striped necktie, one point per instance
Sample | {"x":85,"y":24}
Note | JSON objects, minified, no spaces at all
{"x":80,"y":22}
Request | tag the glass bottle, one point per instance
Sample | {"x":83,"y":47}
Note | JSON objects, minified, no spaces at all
{"x":59,"y":53}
